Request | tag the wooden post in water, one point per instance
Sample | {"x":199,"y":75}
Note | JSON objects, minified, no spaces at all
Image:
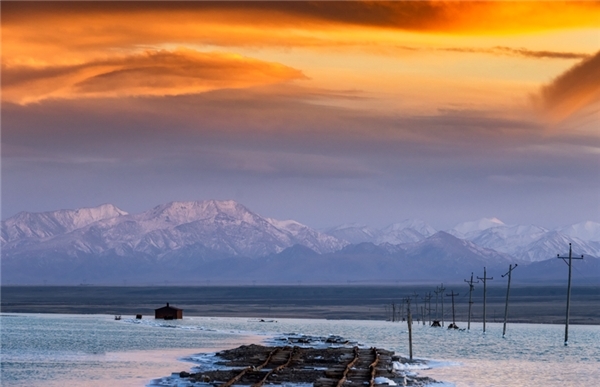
{"x":471,"y":287}
{"x":436,"y":291}
{"x":568,"y":290}
{"x":442,"y":288}
{"x":428,"y":309}
{"x":409,"y":320}
{"x":453,"y":315}
{"x":416,"y":305}
{"x":484,"y":279}
{"x":510,"y":269}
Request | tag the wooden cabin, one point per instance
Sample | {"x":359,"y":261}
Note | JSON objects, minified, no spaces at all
{"x":168,"y":313}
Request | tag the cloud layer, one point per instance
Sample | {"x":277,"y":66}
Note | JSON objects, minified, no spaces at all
{"x":576,"y":89}
{"x":325,"y":112}
{"x":149,"y":73}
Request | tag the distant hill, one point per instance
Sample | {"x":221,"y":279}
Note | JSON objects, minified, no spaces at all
{"x":190,"y":242}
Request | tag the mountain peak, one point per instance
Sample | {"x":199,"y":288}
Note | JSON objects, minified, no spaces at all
{"x":181,"y":212}
{"x":51,"y":223}
{"x":588,"y":230}
{"x":476,"y":225}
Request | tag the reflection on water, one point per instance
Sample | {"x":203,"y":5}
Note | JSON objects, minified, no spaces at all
{"x":516,"y":373}
{"x":92,"y":350}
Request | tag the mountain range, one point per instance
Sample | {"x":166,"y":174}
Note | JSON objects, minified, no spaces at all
{"x":193,"y":242}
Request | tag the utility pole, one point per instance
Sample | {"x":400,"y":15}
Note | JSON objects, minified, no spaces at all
{"x":409,"y":320}
{"x":471,"y":287}
{"x":510,"y":269}
{"x":428,"y":300}
{"x":453,"y":315}
{"x":568,"y":290}
{"x":436,"y":291}
{"x":401,"y":313}
{"x":442,"y":288}
{"x":416,"y":305}
{"x":484,"y":279}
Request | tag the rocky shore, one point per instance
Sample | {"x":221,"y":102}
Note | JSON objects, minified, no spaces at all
{"x":320,"y":362}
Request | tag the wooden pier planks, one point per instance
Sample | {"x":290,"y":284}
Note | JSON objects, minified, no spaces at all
{"x":326,"y":367}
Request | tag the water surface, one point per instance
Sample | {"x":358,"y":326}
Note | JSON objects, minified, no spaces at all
{"x":96,"y":350}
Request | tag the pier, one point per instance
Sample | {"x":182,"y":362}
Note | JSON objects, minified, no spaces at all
{"x":257,"y":365}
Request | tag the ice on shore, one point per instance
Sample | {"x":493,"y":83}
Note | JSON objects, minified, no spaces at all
{"x":382,"y":380}
{"x":398,"y":366}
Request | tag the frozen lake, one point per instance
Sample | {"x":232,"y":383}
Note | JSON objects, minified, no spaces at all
{"x":96,"y":350}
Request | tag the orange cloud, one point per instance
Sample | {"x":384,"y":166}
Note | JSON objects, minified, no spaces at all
{"x":72,"y":27}
{"x":149,"y":73}
{"x":576,"y":89}
{"x":523,"y":52}
{"x":448,"y":16}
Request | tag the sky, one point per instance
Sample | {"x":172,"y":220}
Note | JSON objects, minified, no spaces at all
{"x":322,"y":112}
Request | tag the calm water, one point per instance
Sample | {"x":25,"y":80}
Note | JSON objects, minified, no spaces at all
{"x":96,"y":350}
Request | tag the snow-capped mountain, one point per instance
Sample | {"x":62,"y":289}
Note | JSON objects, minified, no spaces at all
{"x":587,"y":231}
{"x":528,"y":243}
{"x":42,"y":225}
{"x":508,"y":239}
{"x":525,"y":243}
{"x":466,"y":230}
{"x":553,"y":243}
{"x":225,"y":227}
{"x":224,"y":239}
{"x":306,"y":236}
{"x":408,"y":231}
{"x":451,"y":253}
{"x":354,"y":233}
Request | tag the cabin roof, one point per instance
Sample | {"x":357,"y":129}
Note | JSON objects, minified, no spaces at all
{"x":167,"y":307}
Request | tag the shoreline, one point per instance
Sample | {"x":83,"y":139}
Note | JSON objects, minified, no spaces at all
{"x":539,"y":305}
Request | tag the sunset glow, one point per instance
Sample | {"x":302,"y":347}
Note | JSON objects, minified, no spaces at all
{"x":273,"y":103}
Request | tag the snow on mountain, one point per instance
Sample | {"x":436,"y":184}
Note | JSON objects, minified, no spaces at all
{"x":178,"y":235}
{"x":408,"y":231}
{"x":587,"y":231}
{"x":508,"y":239}
{"x":553,"y":243}
{"x":224,"y":227}
{"x":467,"y":229}
{"x":354,"y":233}
{"x":443,"y":254}
{"x":529,"y":243}
{"x":26,"y":225}
{"x":306,"y":236}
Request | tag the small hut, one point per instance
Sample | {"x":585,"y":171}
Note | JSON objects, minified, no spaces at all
{"x":168,"y":313}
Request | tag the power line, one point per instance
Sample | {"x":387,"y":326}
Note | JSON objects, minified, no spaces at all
{"x":484,"y":279}
{"x":570,"y":263}
{"x":441,"y":290}
{"x":428,"y":297}
{"x":452,"y":294}
{"x":416,"y":304}
{"x":471,"y":287}
{"x":510,"y":269}
{"x":409,"y":321}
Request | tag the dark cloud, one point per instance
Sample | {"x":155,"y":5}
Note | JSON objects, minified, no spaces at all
{"x":573,"y":90}
{"x":540,"y":54}
{"x":410,"y":15}
{"x":523,"y":52}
